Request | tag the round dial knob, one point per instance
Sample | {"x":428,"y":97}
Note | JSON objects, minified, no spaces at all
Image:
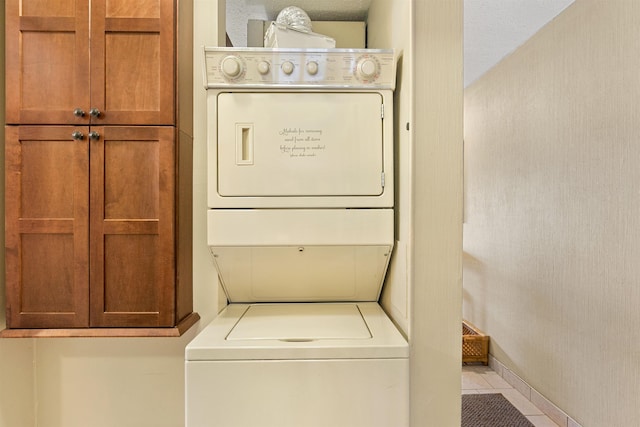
{"x":231,"y":66}
{"x":263,"y":67}
{"x":287,"y":67}
{"x":312,"y":68}
{"x":367,"y":68}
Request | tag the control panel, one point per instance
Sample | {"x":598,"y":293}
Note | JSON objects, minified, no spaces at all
{"x":266,"y":67}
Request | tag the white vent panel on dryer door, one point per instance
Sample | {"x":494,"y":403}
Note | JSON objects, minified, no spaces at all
{"x":299,"y":144}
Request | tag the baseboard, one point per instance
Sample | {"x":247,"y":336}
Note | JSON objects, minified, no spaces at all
{"x":545,"y":405}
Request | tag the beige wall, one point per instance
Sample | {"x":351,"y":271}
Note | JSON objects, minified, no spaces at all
{"x":422,"y":292}
{"x":552,"y":224}
{"x":436,"y":261}
{"x":16,"y":382}
{"x":388,"y":26}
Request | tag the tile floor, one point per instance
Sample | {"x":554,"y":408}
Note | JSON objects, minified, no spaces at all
{"x":482,"y":379}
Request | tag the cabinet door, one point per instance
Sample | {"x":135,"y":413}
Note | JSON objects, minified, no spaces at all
{"x":47,"y":250}
{"x":132,"y":61}
{"x":47,"y":61}
{"x":132,"y":227}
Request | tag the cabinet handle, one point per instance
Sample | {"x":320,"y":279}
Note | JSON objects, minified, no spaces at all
{"x":78,"y":112}
{"x":94,"y":112}
{"x":77,"y":135}
{"x":94,"y":135}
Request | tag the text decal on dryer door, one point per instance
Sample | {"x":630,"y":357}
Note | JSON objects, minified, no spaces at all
{"x":297,"y":142}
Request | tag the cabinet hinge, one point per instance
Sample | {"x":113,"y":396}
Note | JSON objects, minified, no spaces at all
{"x":382,"y":179}
{"x":382,"y":111}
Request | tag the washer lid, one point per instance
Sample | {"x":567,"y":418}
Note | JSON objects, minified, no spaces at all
{"x":385,"y":342}
{"x":300,"y":322}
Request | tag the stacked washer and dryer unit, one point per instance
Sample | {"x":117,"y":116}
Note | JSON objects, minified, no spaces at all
{"x":301,"y":230}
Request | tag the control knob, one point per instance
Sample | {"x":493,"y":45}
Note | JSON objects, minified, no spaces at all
{"x":231,"y":66}
{"x":312,"y":68}
{"x":367,"y":68}
{"x":287,"y":67}
{"x":263,"y":67}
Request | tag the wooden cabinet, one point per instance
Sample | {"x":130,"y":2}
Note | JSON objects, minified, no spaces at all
{"x":47,"y":227}
{"x":98,"y":167}
{"x":132,"y":268}
{"x":69,"y":58}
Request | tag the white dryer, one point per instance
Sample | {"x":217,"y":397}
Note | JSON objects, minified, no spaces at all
{"x":301,"y":229}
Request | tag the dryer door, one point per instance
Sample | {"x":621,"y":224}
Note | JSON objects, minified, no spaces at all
{"x":299,"y":144}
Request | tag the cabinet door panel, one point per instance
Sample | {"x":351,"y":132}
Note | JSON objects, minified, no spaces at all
{"x":47,"y":61}
{"x":132,"y":227}
{"x":130,"y":273}
{"x":47,"y":273}
{"x":46,"y":209}
{"x":48,"y":8}
{"x":133,"y":9}
{"x":132,"y":62}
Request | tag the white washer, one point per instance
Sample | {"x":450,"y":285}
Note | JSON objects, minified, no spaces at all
{"x":300,"y":229}
{"x":298,"y":365}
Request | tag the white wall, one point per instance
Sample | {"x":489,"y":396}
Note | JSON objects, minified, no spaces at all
{"x":493,"y":29}
{"x":552,"y":231}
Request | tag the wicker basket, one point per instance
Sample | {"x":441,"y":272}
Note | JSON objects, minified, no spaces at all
{"x":475,"y":344}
